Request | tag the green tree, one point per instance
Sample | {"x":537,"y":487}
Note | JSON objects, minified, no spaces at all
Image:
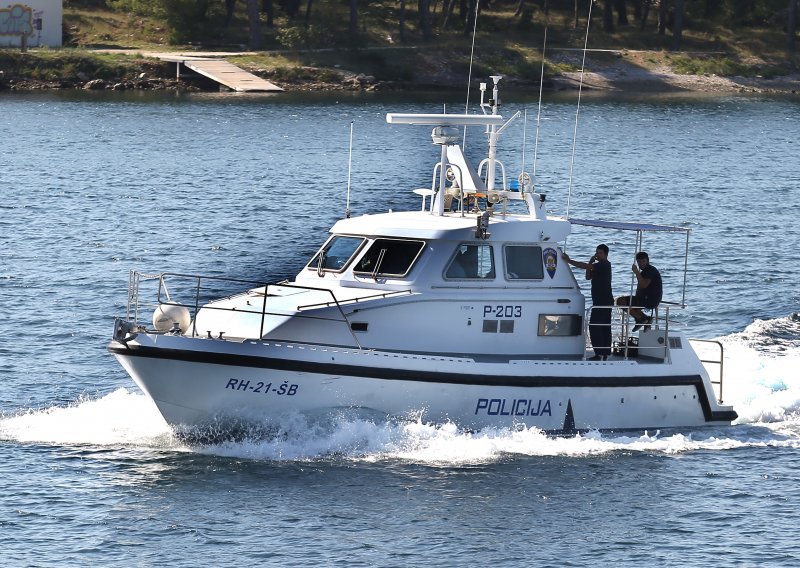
{"x":677,"y":25}
{"x":186,"y":19}
{"x":424,"y":7}
{"x":622,"y":13}
{"x":268,"y":8}
{"x":402,"y":17}
{"x":353,"y":18}
{"x":254,"y":21}
{"x":608,"y":16}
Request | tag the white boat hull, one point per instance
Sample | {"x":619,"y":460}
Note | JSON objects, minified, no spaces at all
{"x":199,"y":384}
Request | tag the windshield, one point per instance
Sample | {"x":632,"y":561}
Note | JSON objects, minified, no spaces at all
{"x":389,"y":257}
{"x":336,"y":253}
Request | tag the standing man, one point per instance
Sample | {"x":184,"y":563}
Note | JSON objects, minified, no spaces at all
{"x":648,"y":291}
{"x":598,"y":270}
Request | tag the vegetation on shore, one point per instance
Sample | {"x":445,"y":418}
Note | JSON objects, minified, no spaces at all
{"x":389,"y":44}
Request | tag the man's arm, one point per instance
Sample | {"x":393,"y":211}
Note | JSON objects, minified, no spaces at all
{"x":641,"y":281}
{"x":578,"y":264}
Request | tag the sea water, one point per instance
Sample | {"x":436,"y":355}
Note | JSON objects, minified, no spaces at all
{"x":95,"y":184}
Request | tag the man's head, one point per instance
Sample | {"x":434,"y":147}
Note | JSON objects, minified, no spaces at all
{"x":642,"y":259}
{"x":601,"y":253}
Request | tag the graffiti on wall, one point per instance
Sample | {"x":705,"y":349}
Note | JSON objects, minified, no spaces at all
{"x":17,"y":20}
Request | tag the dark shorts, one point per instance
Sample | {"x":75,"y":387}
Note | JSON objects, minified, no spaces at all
{"x":637,"y":301}
{"x":644,"y":301}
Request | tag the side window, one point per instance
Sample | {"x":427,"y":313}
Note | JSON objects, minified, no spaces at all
{"x":389,"y":257}
{"x":471,"y":261}
{"x":336,"y":253}
{"x":524,"y":262}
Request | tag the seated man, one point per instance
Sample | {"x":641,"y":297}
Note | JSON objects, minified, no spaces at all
{"x":648,"y":291}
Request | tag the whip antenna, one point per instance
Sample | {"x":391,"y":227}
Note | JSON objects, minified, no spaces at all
{"x":469,"y":75}
{"x":349,"y":169}
{"x":539,"y":113}
{"x":578,"y":109}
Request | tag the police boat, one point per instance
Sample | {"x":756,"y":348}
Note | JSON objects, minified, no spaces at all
{"x":462,"y":311}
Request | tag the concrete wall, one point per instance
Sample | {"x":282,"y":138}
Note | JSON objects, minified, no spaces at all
{"x":39,"y":20}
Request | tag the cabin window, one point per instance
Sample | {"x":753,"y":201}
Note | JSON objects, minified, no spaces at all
{"x":336,"y":253}
{"x":471,"y":261}
{"x":389,"y":258}
{"x":523,"y":262}
{"x":560,"y":325}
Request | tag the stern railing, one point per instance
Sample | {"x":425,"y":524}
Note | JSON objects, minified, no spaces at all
{"x":715,"y":361}
{"x":628,"y":346}
{"x":623,"y":341}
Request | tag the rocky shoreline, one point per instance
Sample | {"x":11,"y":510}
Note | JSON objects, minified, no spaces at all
{"x":144,"y":84}
{"x":619,"y":76}
{"x":667,"y":82}
{"x":592,"y":81}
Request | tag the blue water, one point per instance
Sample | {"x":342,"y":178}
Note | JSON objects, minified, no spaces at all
{"x":95,"y":184}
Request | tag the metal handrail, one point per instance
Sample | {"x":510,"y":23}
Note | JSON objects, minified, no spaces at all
{"x":719,"y":362}
{"x":623,"y":323}
{"x":355,"y":300}
{"x":135,"y":280}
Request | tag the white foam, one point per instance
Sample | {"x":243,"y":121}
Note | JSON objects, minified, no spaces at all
{"x":446,"y":445}
{"x":761,"y":378}
{"x":119,"y":418}
{"x":129,"y":419}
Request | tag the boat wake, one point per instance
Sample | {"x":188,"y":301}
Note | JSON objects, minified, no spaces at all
{"x":128,"y":419}
{"x":760,"y":382}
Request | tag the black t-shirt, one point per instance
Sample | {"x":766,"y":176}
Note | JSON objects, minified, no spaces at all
{"x":650,"y":296}
{"x":601,"y":284}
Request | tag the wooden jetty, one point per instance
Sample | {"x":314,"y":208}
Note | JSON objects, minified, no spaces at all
{"x":221,"y":71}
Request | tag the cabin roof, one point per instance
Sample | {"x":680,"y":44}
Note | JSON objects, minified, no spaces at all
{"x":423,"y":225}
